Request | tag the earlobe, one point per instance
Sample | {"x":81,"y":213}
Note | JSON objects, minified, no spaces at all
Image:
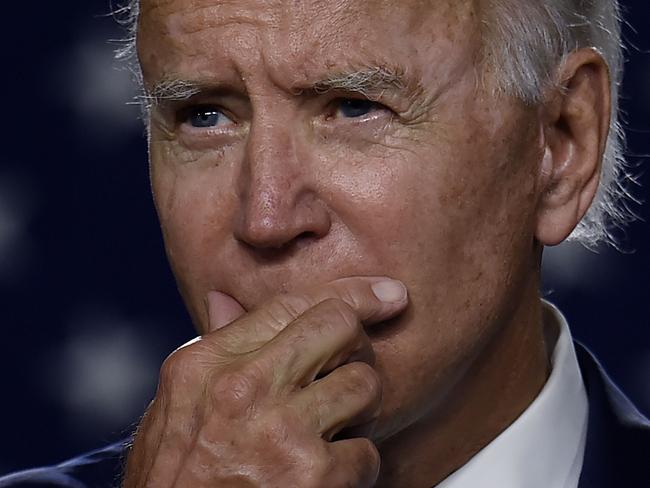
{"x":576,"y":124}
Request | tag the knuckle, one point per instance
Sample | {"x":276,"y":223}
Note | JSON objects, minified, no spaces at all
{"x":277,"y":427}
{"x":313,"y":478}
{"x":369,"y":454}
{"x":343,"y":315}
{"x":317,"y":471}
{"x":364,"y":378}
{"x":351,"y":297}
{"x":178,"y":366}
{"x":286,"y":308}
{"x":235,"y":390}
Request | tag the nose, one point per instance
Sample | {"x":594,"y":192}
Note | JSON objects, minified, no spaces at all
{"x":278,"y":198}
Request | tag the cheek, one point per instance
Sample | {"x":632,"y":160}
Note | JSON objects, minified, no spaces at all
{"x":193,"y":201}
{"x":443,"y":208}
{"x":462,"y":225}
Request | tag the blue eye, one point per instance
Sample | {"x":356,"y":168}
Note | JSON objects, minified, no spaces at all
{"x":354,"y":108}
{"x":203,"y":117}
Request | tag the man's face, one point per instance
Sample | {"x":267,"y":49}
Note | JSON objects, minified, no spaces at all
{"x":277,"y":176}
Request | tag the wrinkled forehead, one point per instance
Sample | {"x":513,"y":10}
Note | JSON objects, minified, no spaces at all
{"x":307,"y":10}
{"x":299,"y":32}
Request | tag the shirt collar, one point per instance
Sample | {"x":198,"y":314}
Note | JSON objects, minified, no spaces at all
{"x":545,"y":446}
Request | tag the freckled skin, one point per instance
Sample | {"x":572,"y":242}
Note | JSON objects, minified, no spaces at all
{"x":441,"y":194}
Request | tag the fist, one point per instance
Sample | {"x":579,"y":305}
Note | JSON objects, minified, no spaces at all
{"x":261,"y":400}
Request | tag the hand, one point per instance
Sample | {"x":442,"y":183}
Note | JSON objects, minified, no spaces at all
{"x":257,"y":400}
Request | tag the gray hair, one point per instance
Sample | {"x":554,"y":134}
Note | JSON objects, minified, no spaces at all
{"x":525,"y":41}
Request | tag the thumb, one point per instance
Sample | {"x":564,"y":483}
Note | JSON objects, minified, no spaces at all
{"x":222,"y":309}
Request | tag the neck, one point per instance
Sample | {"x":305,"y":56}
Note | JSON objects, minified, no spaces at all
{"x":503,"y":381}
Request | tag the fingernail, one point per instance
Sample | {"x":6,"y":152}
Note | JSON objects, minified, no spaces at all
{"x":389,"y":291}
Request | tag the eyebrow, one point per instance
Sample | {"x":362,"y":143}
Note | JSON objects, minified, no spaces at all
{"x":369,"y":82}
{"x":171,"y":89}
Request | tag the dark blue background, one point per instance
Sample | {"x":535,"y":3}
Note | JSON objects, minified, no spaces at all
{"x":88,"y":306}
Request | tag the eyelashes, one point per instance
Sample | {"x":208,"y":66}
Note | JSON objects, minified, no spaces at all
{"x":203,"y":117}
{"x":206,"y":116}
{"x":356,"y":108}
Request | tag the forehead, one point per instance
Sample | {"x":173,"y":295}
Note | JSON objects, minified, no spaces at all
{"x":297,"y":13}
{"x":296,"y":36}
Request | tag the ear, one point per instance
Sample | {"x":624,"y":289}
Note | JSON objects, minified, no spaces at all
{"x":576,"y":123}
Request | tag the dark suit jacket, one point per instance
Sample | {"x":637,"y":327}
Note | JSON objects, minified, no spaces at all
{"x":617,"y":453}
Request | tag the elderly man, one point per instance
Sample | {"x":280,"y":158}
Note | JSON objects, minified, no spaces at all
{"x":355,"y":197}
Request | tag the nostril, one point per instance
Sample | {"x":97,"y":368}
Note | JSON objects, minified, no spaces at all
{"x":307,"y":235}
{"x":282,"y":250}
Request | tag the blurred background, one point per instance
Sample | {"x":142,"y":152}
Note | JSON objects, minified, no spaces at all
{"x":88,"y":306}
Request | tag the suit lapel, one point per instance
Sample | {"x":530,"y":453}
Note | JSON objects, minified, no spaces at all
{"x":617,"y":451}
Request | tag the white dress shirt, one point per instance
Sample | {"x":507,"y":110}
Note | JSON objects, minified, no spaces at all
{"x":545,"y":446}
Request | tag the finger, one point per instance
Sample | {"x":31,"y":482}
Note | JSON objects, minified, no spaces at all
{"x":349,"y":396}
{"x":326,"y":335}
{"x":372,"y":298}
{"x":222,"y":309}
{"x":177,"y":412}
{"x":357,"y":462}
{"x":146,"y":444}
{"x":359,"y":349}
